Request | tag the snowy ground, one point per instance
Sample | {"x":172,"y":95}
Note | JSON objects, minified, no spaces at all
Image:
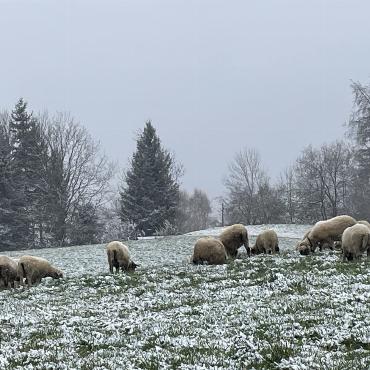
{"x":265,"y":312}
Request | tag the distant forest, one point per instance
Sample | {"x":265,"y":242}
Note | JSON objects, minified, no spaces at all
{"x":57,"y":188}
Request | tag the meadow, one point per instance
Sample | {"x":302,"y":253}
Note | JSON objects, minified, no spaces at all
{"x":265,"y":312}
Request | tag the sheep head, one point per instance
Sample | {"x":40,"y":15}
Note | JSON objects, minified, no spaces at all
{"x":56,"y":274}
{"x":132,"y":266}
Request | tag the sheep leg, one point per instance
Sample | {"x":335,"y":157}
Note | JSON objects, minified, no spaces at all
{"x":29,"y":280}
{"x":233,"y":253}
{"x":312,"y":248}
{"x":344,"y":257}
{"x":320,"y":246}
{"x":22,"y":274}
{"x":331,"y":244}
{"x":364,"y":242}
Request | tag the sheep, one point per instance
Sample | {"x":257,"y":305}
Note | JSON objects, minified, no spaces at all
{"x":35,"y":268}
{"x":234,"y":237}
{"x":209,"y":250}
{"x":304,"y":249}
{"x":324,"y":233}
{"x":119,"y":257}
{"x":364,"y":222}
{"x":8,"y":271}
{"x":266,"y":242}
{"x":355,"y":241}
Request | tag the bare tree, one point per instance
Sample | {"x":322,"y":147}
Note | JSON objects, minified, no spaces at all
{"x":200,"y":209}
{"x":323,"y":178}
{"x":243,"y":183}
{"x":287,"y":189}
{"x":77,"y":172}
{"x":193,"y":211}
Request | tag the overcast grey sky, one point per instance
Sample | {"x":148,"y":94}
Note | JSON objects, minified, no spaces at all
{"x":213,"y":76}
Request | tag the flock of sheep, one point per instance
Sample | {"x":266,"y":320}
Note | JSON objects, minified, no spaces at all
{"x":340,"y":232}
{"x":343,"y":232}
{"x":27,"y":269}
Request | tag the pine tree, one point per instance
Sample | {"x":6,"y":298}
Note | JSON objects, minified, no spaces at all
{"x":150,"y":196}
{"x":359,"y":126}
{"x":7,"y":216}
{"x":85,"y":227}
{"x":29,"y":155}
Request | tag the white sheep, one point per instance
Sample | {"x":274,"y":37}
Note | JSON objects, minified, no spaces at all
{"x":355,"y":241}
{"x":119,"y":257}
{"x":8,"y":271}
{"x":266,"y":242}
{"x":208,"y":250}
{"x":364,"y":222}
{"x":325,"y":233}
{"x":233,"y":237}
{"x":35,"y":268}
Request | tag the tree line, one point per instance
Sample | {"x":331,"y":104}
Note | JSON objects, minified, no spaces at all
{"x":323,"y":182}
{"x":57,"y":187}
{"x":53,"y":179}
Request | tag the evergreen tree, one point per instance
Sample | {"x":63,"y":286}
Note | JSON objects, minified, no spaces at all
{"x":6,"y":194}
{"x":85,"y":227}
{"x":150,"y":196}
{"x":360,"y":131}
{"x":29,"y":155}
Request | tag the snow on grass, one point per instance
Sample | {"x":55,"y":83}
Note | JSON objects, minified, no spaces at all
{"x":283,"y":230}
{"x":284,"y":312}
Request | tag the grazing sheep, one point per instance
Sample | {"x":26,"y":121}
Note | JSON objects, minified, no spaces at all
{"x":266,"y":242}
{"x":119,"y":257}
{"x":35,"y":268}
{"x":209,"y":250}
{"x":324,"y":233}
{"x":8,"y":271}
{"x":304,"y":249}
{"x":364,"y":222}
{"x":234,"y":237}
{"x":355,"y":241}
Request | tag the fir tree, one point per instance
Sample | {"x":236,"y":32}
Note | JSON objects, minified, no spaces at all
{"x":85,"y":227}
{"x":29,"y":156}
{"x":7,"y":216}
{"x":150,"y":196}
{"x":359,"y":127}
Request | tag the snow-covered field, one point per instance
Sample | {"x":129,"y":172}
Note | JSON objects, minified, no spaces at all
{"x":264,"y":312}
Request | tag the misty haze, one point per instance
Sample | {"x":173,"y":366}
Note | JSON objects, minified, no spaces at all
{"x":184,"y":184}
